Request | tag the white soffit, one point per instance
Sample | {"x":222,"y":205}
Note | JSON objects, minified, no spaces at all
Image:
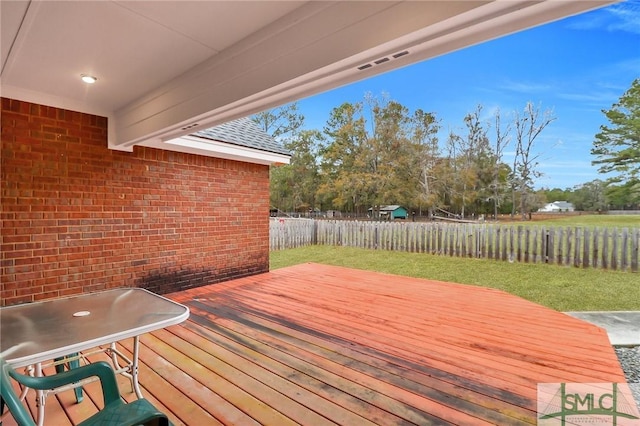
{"x":202,"y":146}
{"x":288,"y":64}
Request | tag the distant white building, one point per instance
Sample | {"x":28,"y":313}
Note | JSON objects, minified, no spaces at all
{"x":558,"y":206}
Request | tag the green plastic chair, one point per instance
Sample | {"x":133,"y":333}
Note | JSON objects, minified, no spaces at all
{"x":115,"y":411}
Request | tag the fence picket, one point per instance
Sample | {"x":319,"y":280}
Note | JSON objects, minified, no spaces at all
{"x":605,"y":249}
{"x":614,"y":249}
{"x":559,"y":258}
{"x":567,"y":260}
{"x":576,"y":249}
{"x":585,"y":249}
{"x":504,"y":243}
{"x":596,"y":248}
{"x":635,"y":243}
{"x":623,"y":256}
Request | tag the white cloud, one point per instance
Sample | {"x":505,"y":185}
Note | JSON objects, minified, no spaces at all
{"x":595,"y":97}
{"x":577,"y":164}
{"x":624,"y":16}
{"x":525,"y":87}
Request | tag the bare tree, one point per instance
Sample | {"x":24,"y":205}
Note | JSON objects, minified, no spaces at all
{"x":527,"y":129}
{"x":502,"y":141}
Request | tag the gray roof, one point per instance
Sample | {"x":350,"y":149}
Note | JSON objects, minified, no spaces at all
{"x":243,"y":132}
{"x":563,"y":204}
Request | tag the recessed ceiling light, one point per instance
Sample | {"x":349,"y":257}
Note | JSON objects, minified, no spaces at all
{"x":88,"y":78}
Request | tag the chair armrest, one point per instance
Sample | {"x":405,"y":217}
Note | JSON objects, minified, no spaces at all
{"x":99,"y":369}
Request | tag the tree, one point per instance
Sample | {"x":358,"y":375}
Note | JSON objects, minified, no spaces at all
{"x":281,"y":123}
{"x":280,"y":190}
{"x":389,"y":153}
{"x":368,"y":163}
{"x":589,"y":196}
{"x":284,"y":124}
{"x":305,"y":175}
{"x":623,"y":197}
{"x":557,"y":194}
{"x":426,"y":159}
{"x":617,"y":146}
{"x":468,"y":157}
{"x":527,"y":129}
{"x":343,"y":175}
{"x":500,"y":171}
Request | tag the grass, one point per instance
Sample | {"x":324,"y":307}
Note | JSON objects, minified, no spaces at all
{"x":588,"y":220}
{"x":558,"y":287}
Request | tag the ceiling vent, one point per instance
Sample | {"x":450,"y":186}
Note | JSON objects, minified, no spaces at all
{"x":189,"y":126}
{"x":383,"y":60}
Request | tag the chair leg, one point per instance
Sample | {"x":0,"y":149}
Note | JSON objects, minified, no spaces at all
{"x":74,"y":362}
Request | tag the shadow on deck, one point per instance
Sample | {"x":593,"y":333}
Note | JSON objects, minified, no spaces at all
{"x":319,"y":345}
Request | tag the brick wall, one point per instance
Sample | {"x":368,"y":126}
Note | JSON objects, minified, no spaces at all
{"x":78,"y":217}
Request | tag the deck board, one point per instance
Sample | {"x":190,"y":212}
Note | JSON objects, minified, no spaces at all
{"x":323,"y":345}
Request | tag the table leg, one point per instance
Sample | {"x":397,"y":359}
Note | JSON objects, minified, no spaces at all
{"x":131,"y":369}
{"x":40,"y":397}
{"x":134,"y":366}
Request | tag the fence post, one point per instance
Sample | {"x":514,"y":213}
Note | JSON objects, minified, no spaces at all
{"x":546,"y":245}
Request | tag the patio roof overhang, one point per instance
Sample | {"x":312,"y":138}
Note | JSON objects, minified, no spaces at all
{"x":167,"y":69}
{"x":197,"y":145}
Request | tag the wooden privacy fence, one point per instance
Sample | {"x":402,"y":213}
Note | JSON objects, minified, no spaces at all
{"x":605,"y":248}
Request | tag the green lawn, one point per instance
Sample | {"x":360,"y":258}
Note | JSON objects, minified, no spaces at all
{"x":589,"y":220}
{"x":558,"y":287}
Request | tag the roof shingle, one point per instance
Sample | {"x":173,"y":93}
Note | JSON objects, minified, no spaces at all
{"x":243,"y":132}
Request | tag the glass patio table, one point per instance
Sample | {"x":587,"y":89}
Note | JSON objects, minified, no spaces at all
{"x":33,"y":333}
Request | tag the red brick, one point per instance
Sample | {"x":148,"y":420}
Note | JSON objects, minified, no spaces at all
{"x":128,"y":217}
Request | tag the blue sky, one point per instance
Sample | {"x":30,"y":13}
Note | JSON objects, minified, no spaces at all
{"x":575,"y":67}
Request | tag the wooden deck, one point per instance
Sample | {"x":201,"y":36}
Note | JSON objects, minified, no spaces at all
{"x":320,"y":345}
